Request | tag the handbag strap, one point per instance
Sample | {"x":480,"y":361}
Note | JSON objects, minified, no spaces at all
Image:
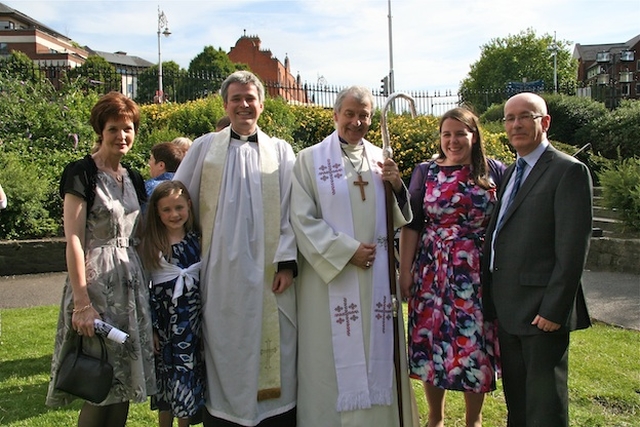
{"x":103,"y":348}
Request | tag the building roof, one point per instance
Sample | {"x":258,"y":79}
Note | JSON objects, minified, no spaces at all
{"x":19,"y":16}
{"x":121,"y":58}
{"x":117,"y":58}
{"x":587,"y":52}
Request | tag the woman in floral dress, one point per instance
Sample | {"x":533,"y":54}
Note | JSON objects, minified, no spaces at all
{"x":451,"y":347}
{"x":106,"y":280}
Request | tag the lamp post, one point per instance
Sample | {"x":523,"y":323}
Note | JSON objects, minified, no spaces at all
{"x":162,"y":23}
{"x":390,"y":79}
{"x":554,"y":48}
{"x":392,"y":86}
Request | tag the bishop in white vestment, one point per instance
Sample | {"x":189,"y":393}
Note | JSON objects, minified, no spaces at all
{"x":346,"y":373}
{"x":241,"y":190}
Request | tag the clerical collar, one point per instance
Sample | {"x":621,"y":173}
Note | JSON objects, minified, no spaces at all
{"x":344,"y":141}
{"x":251,"y":138}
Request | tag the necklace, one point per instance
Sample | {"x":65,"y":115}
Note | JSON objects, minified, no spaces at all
{"x":101,"y":164}
{"x":359,"y":182}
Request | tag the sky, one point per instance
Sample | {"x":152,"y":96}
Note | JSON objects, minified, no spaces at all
{"x":338,"y":42}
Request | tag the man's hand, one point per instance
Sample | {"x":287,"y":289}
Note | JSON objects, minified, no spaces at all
{"x":544,"y":324}
{"x":364,"y":256}
{"x":282,"y":280}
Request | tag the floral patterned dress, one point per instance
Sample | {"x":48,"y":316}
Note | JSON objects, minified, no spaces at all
{"x":450,"y":345}
{"x":118,"y":290}
{"x":180,"y":365}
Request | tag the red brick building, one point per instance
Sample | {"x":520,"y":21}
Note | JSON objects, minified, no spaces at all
{"x":277,"y":77}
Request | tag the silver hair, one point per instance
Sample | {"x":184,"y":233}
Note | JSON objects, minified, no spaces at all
{"x":245,"y":78}
{"x":359,"y":93}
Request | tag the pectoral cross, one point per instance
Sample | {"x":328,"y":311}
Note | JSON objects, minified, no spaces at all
{"x":361,"y":183}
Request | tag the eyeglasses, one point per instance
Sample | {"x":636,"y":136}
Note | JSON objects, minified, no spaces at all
{"x":522,"y":118}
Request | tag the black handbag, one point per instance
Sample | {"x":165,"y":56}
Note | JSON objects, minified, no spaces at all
{"x":85,"y":376}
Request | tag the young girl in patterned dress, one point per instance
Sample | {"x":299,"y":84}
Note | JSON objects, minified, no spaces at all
{"x":171,"y":252}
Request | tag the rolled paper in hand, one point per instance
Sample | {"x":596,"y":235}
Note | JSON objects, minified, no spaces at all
{"x":110,"y":331}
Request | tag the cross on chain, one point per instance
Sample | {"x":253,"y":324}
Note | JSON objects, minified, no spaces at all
{"x":329,"y":172}
{"x":384,"y":312}
{"x":346,"y":314}
{"x":361,"y":183}
{"x":269,"y":351}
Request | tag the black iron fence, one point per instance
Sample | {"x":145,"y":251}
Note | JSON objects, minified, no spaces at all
{"x":181,"y":86}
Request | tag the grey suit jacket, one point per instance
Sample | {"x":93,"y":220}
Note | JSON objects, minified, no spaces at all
{"x":541,"y":248}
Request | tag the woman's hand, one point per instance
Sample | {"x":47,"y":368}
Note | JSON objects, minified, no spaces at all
{"x":406,"y":281}
{"x":156,"y":342}
{"x":82,"y":320}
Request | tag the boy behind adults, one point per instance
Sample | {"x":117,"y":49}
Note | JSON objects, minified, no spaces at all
{"x":164,"y":160}
{"x":240,"y":182}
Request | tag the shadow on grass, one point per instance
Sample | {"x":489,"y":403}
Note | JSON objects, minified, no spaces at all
{"x":23,"y":385}
{"x":25,"y":367}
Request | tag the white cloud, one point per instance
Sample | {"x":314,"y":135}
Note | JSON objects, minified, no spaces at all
{"x":346,"y":42}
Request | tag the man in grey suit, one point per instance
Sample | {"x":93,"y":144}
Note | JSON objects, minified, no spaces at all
{"x":535,"y":251}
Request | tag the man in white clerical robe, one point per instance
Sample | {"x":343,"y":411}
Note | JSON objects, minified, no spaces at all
{"x":345,"y":327}
{"x":241,"y":190}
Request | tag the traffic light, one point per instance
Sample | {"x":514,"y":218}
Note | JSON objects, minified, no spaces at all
{"x":385,"y":86}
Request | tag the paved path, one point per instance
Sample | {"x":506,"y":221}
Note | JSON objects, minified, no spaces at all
{"x":613,"y":298}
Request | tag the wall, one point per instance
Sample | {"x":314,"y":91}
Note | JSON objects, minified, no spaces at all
{"x":614,"y":254}
{"x":46,"y":256}
{"x":32,"y":256}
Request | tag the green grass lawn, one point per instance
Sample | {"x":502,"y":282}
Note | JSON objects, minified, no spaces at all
{"x":604,"y":380}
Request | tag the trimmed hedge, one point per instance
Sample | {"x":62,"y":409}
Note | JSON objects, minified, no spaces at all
{"x":41,"y":130}
{"x":621,"y":190}
{"x":616,"y":135}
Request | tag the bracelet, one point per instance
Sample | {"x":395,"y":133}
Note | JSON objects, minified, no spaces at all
{"x":85,"y":308}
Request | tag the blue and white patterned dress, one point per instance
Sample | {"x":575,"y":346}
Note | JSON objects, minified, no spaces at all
{"x":179,"y":366}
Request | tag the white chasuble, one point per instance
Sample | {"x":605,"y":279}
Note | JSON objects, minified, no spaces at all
{"x":241,"y":196}
{"x":328,"y":234}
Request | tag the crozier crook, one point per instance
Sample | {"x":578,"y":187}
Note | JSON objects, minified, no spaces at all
{"x":387,"y":152}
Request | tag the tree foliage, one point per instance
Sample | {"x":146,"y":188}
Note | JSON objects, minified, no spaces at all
{"x":517,"y":58}
{"x":21,"y":67}
{"x":203,"y":77}
{"x":213,"y":64}
{"x":96,"y":74}
{"x":148,"y":82}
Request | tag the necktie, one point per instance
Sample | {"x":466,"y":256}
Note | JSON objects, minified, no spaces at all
{"x":520,"y":165}
{"x":250,"y":138}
